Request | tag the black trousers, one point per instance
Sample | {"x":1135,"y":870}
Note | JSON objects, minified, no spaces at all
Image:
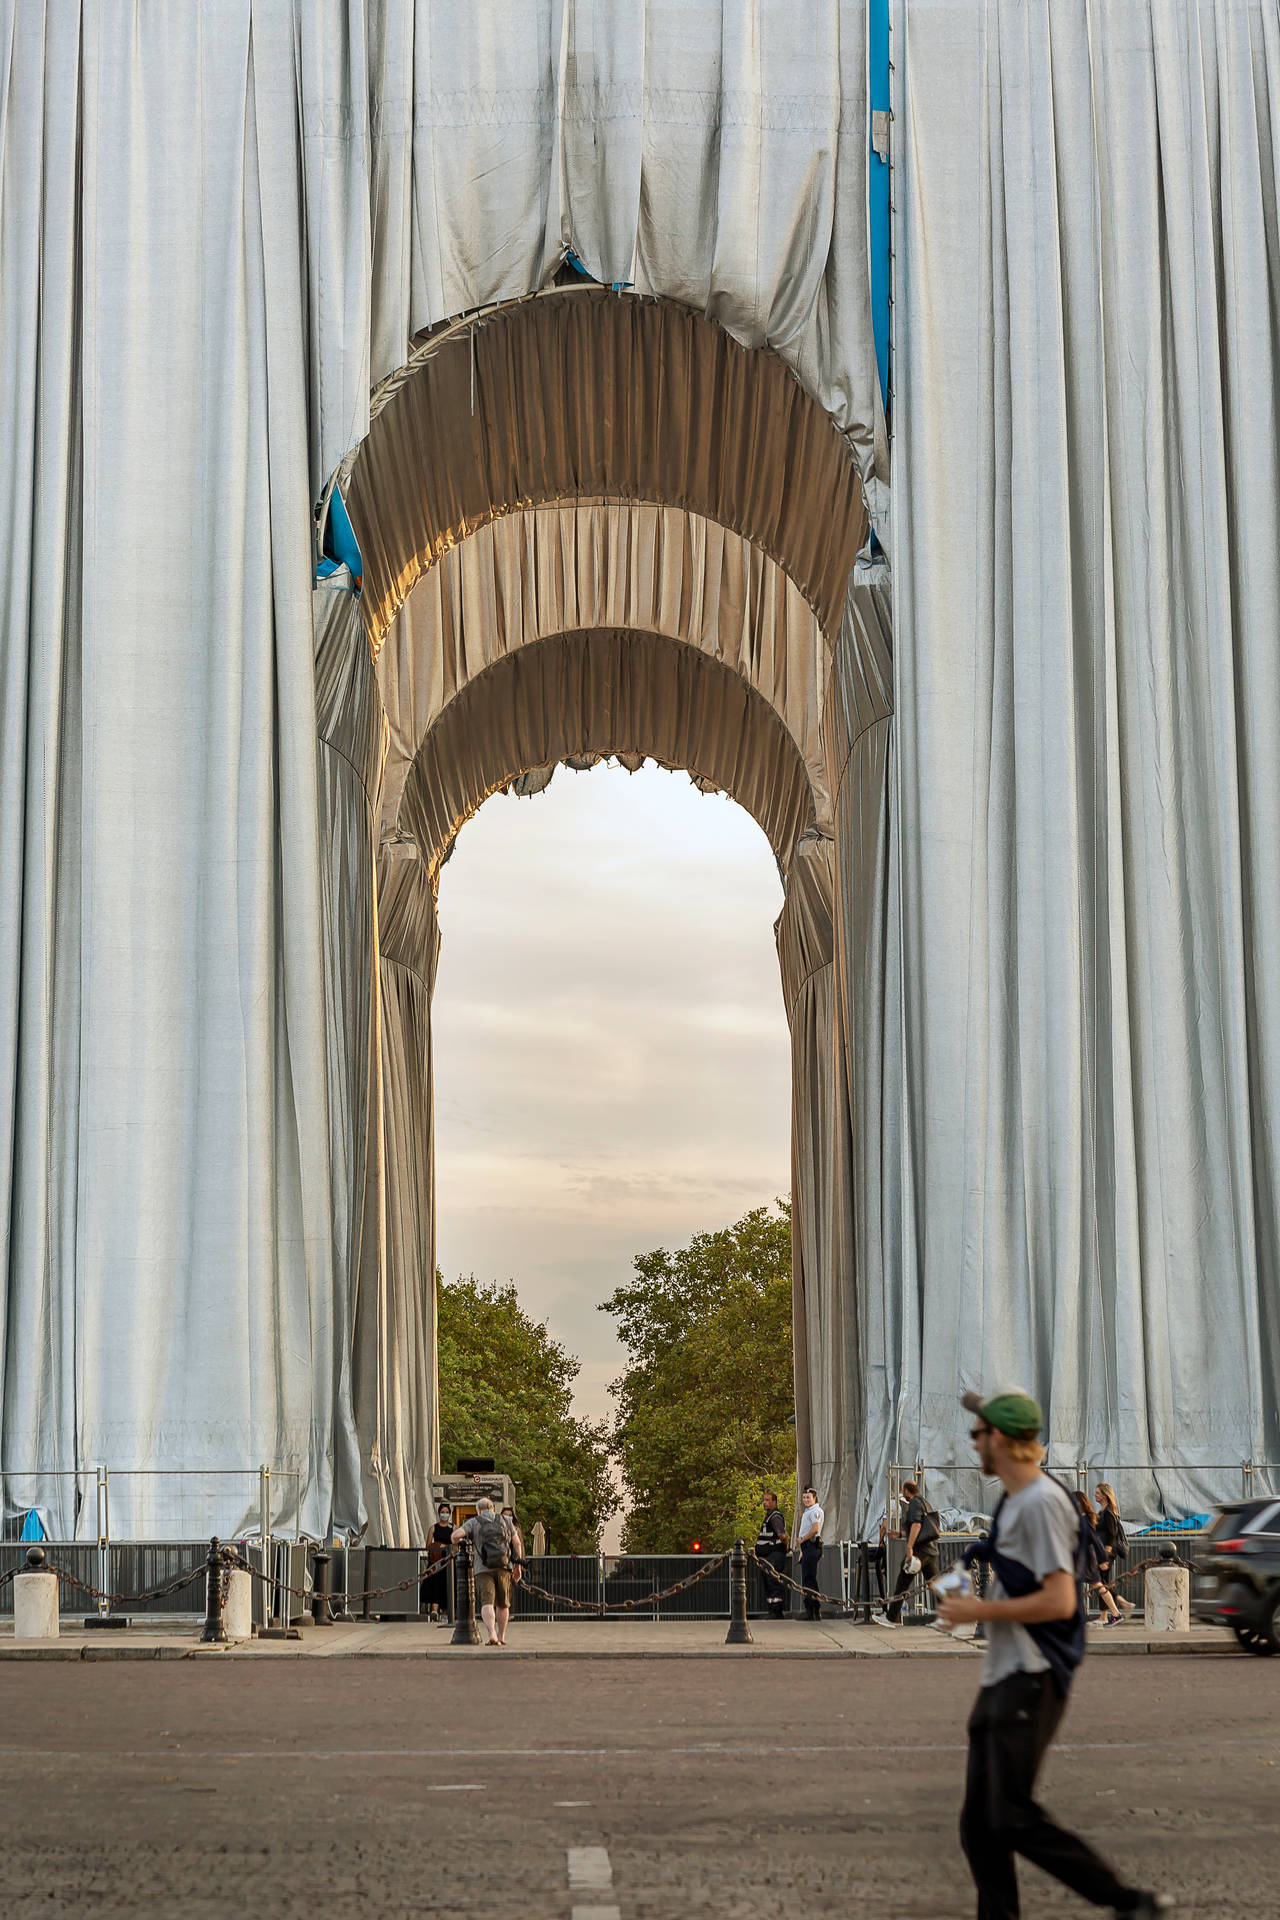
{"x":928,"y":1558}
{"x":775,"y":1594}
{"x":1009,"y":1733}
{"x":810,"y":1554}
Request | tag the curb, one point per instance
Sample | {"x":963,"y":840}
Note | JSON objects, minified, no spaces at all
{"x":96,"y":1654}
{"x":1157,"y":1648}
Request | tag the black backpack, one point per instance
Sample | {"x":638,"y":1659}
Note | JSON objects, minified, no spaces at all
{"x":492,"y":1544}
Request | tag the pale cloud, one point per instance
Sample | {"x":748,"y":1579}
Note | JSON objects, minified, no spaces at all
{"x":611,"y":1053}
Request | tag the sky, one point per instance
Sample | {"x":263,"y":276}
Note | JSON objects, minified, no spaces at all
{"x":611,"y":1053}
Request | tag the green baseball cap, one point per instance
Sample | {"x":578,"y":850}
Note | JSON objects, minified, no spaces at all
{"x":1012,"y":1411}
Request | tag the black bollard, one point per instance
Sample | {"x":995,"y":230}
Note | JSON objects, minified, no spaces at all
{"x":465,"y":1631}
{"x":739,"y":1634}
{"x":321,"y":1612}
{"x":35,"y":1560}
{"x":862,"y":1592}
{"x":215,"y":1631}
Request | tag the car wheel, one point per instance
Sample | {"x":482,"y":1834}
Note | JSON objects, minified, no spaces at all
{"x":1269,"y":1636}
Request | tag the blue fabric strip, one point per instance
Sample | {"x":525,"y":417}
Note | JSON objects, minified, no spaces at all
{"x":340,"y":548}
{"x":878,"y":190}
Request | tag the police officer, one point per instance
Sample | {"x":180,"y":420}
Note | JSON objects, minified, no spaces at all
{"x":771,"y":1551}
{"x":810,"y":1543}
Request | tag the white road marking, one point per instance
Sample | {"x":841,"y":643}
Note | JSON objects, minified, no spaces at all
{"x":473,"y":1786}
{"x":591,"y":1803}
{"x":589,"y":1869}
{"x":718,"y":1752}
{"x":591,"y":1872}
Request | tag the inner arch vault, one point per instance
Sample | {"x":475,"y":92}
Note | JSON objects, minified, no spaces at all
{"x":595,"y":525}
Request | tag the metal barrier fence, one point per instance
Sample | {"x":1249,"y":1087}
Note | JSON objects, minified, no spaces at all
{"x":611,"y":1579}
{"x":628,"y":1582}
{"x":127,"y":1530}
{"x":140,"y":1568}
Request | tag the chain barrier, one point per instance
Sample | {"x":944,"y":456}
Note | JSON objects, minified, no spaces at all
{"x":771,"y":1573}
{"x":856,"y":1606}
{"x":232,"y":1560}
{"x":120,"y":1599}
{"x":601,"y":1607}
{"x":370,"y":1593}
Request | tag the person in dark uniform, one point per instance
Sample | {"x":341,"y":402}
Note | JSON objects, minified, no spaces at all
{"x":771,"y":1551}
{"x":435,"y":1588}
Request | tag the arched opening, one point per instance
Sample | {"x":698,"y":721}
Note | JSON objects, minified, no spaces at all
{"x":592,"y":526}
{"x":610,"y":1051}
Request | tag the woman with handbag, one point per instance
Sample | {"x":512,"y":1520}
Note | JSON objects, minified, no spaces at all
{"x":1115,"y":1544}
{"x":1096,"y":1561}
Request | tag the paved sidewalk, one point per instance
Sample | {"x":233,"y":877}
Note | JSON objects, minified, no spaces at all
{"x":576,"y":1640}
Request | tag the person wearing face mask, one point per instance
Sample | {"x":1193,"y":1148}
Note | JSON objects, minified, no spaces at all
{"x":1035,"y":1641}
{"x":435,"y":1588}
{"x":809,"y":1541}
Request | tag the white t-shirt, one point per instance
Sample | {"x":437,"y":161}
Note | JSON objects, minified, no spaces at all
{"x":810,"y":1523}
{"x":1039,"y":1527}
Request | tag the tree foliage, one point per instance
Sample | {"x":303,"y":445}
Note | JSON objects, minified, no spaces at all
{"x":506,"y":1390}
{"x":705,"y":1404}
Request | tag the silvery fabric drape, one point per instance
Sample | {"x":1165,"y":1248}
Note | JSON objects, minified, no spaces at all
{"x":220,"y":226}
{"x":1087,"y":604}
{"x":166,"y":1185}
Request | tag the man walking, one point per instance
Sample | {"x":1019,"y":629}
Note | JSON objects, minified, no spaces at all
{"x":771,"y":1552}
{"x":1034,"y":1643}
{"x":921,"y":1526}
{"x":493,"y":1543}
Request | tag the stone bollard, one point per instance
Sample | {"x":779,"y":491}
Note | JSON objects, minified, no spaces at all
{"x":237,"y":1610}
{"x":739,"y":1634}
{"x":1167,"y":1594}
{"x":35,"y":1600}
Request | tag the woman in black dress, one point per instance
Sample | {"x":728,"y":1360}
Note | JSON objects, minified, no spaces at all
{"x":435,"y":1588}
{"x":1115,"y":1542}
{"x":1095,"y":1554}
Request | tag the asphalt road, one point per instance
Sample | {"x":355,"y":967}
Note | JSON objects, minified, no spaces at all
{"x":390,"y":1787}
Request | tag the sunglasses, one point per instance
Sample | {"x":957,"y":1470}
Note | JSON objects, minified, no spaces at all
{"x":976,"y":1433}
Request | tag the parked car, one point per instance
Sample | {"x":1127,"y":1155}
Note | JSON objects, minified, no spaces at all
{"x":1236,"y":1580}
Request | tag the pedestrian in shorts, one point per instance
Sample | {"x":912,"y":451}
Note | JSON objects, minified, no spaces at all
{"x":493,"y":1544}
{"x":1035,"y":1641}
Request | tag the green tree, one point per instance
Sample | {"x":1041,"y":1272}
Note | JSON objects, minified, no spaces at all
{"x":705,"y":1404}
{"x":506,"y":1390}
